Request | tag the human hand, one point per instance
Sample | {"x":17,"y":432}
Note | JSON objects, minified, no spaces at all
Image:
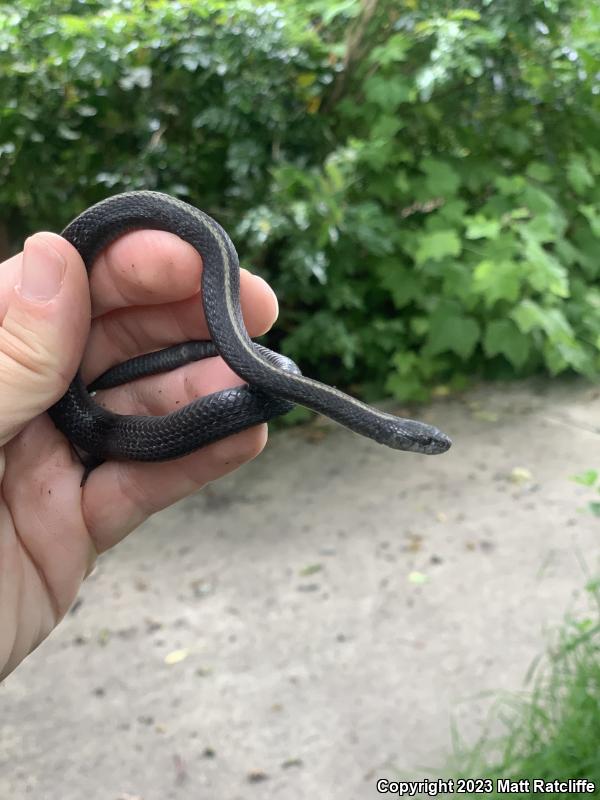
{"x":145,"y":295}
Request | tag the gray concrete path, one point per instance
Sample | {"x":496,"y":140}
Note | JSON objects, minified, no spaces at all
{"x":314,"y":621}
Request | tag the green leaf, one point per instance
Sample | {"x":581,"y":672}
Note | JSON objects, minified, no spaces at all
{"x":385,"y":127}
{"x":442,"y":179}
{"x":310,"y":569}
{"x":389,"y":93}
{"x":592,"y":214}
{"x":539,"y":171}
{"x":306,"y":79}
{"x":369,"y":227}
{"x":553,"y":358}
{"x":593,"y":157}
{"x":334,"y":8}
{"x":465,"y":13}
{"x":419,"y":325}
{"x":402,"y":283}
{"x":498,"y":280}
{"x":452,"y":212}
{"x":593,"y":586}
{"x":528,"y":316}
{"x":575,"y":356}
{"x":544,"y":272}
{"x":411,"y":370}
{"x":511,"y":185}
{"x":519,"y":213}
{"x":438,"y":245}
{"x":449,"y":332}
{"x":503,"y":337}
{"x":556,"y":325}
{"x":417,"y":578}
{"x":406,"y":362}
{"x":544,"y":228}
{"x":73,"y":25}
{"x":480,"y":227}
{"x":587,"y":478}
{"x":395,"y":49}
{"x":594,"y":508}
{"x":406,"y":387}
{"x":567,"y":253}
{"x":578,"y":175}
{"x":538,"y":200}
{"x":515,"y":139}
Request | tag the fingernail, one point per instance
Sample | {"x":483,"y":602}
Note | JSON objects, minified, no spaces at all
{"x":42,"y":272}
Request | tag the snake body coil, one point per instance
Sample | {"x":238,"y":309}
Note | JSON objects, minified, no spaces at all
{"x":274,"y":382}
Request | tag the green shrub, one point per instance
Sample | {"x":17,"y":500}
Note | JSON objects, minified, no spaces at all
{"x":418,"y":181}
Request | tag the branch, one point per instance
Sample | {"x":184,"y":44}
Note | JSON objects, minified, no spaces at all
{"x":354,"y":46}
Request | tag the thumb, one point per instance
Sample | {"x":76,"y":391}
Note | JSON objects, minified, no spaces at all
{"x":43,"y":332}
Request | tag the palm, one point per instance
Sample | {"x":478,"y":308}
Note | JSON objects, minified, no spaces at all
{"x":145,"y":291}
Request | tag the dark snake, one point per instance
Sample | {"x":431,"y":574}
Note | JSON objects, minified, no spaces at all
{"x":274,"y":382}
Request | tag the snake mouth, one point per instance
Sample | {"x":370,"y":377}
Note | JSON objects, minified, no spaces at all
{"x":439,"y":443}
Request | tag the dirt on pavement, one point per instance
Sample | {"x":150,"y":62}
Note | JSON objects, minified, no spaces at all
{"x":314,"y":621}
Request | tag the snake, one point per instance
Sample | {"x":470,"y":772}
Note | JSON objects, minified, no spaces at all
{"x":274,"y":384}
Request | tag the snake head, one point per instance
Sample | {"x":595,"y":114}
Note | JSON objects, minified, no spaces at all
{"x":417,"y":437}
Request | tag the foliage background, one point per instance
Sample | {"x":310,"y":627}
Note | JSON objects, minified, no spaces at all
{"x":417,"y":180}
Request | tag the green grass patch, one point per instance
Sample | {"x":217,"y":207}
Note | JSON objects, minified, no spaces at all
{"x":553,"y":732}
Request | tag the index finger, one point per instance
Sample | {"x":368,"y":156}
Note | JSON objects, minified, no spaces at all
{"x":144,"y":267}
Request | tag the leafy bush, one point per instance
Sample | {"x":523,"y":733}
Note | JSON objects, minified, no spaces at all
{"x":418,"y":181}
